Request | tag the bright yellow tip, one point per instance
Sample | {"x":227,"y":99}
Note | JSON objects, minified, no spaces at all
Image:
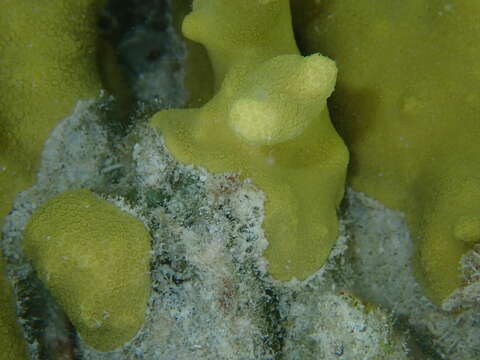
{"x":274,"y":108}
{"x":94,"y":259}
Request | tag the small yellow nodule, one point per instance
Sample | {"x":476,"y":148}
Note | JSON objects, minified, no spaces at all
{"x":467,"y":229}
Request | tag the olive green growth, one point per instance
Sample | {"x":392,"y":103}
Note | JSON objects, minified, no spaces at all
{"x":94,"y":259}
{"x":12,"y":344}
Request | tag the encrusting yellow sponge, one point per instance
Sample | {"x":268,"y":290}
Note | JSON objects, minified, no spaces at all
{"x":48,"y":62}
{"x":269,"y":122}
{"x":94,"y":259}
{"x":407,"y":104}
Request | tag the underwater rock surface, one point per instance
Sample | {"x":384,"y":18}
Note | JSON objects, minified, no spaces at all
{"x":211,"y":296}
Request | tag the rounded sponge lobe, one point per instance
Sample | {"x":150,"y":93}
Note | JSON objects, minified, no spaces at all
{"x":468,"y":229}
{"x":94,"y":259}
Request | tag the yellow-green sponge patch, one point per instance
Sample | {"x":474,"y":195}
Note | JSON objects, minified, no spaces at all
{"x":94,"y":259}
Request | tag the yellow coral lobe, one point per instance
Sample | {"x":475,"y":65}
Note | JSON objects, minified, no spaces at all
{"x":269,"y":122}
{"x":94,"y":259}
{"x":11,"y":341}
{"x":407,"y":104}
{"x":47,"y":63}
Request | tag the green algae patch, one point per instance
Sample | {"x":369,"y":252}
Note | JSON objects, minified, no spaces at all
{"x":94,"y":259}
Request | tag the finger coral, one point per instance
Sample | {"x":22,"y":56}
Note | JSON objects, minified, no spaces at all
{"x":269,"y":122}
{"x":94,"y":259}
{"x":47,"y":63}
{"x":407,"y":105}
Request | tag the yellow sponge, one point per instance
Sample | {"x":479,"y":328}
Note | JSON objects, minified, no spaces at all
{"x":47,"y":63}
{"x":408,"y":104}
{"x":94,"y":259}
{"x":269,"y":122}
